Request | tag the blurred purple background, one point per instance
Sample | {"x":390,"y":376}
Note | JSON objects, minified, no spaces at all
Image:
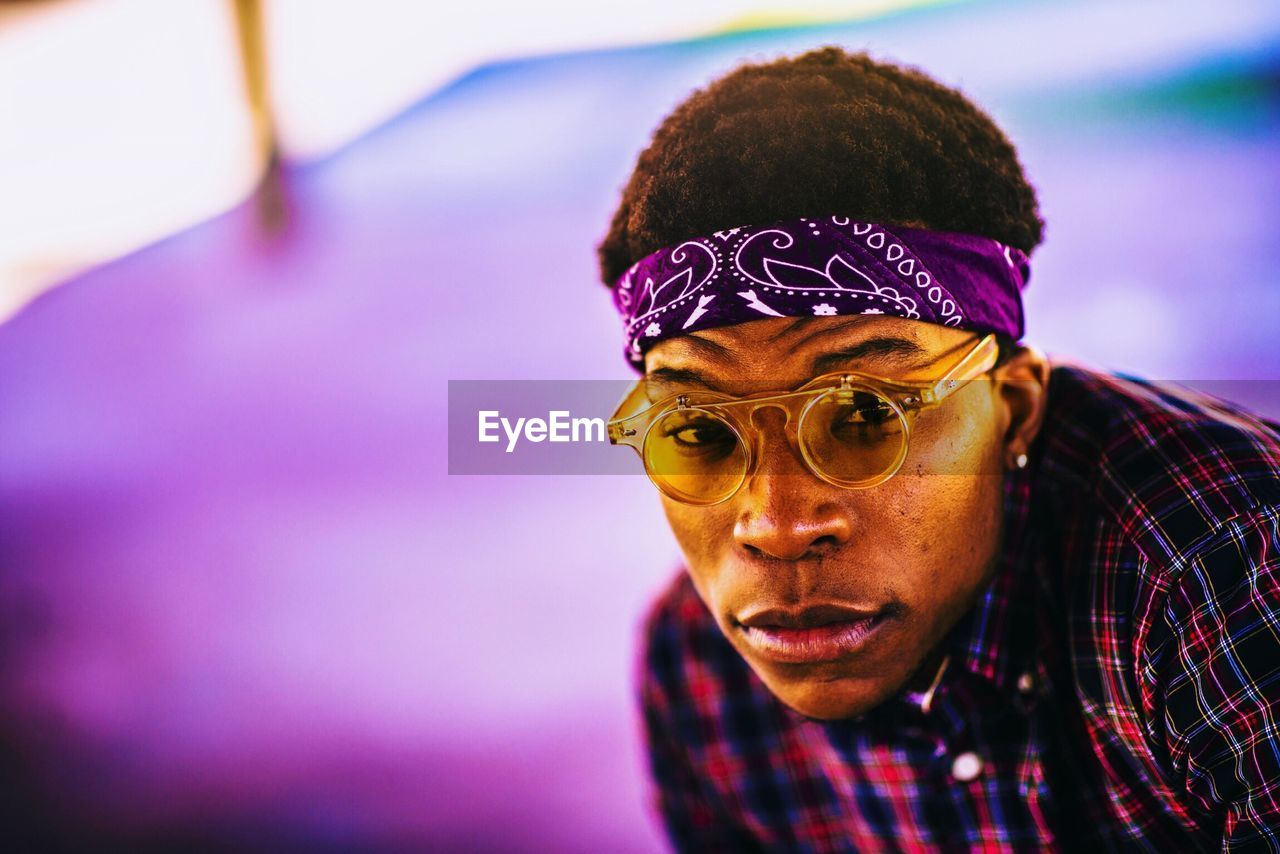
{"x":241,"y":601}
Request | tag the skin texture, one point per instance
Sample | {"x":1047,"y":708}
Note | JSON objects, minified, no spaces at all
{"x":920,"y":546}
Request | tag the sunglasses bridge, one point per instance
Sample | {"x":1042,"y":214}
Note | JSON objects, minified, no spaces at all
{"x":923,"y":398}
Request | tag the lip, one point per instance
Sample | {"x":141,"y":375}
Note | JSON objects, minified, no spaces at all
{"x":814,"y":634}
{"x":811,"y":617}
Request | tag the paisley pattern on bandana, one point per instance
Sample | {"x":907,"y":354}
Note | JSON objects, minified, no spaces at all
{"x":821,"y":268}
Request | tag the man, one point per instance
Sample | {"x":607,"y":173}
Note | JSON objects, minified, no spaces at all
{"x":939,"y":593}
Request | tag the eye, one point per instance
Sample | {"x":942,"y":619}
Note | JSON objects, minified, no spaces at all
{"x":699,"y":433}
{"x":868,"y":409}
{"x":865,"y":417}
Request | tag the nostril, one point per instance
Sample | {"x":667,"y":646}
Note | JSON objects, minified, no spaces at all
{"x":772,"y":551}
{"x":825,"y":543}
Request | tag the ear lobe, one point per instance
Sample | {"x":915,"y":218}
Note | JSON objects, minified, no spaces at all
{"x":1023,"y":387}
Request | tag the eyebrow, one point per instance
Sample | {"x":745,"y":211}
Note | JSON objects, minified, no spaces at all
{"x":892,"y":349}
{"x":889,"y":348}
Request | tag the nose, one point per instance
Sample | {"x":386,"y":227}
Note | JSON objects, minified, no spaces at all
{"x":785,"y":511}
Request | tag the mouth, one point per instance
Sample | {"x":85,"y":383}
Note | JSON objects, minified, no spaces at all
{"x":815,"y":634}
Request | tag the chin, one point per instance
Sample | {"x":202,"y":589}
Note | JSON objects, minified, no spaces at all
{"x":831,"y":699}
{"x":832,"y":710}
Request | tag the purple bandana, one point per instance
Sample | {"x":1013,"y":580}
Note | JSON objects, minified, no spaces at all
{"x":821,"y":267}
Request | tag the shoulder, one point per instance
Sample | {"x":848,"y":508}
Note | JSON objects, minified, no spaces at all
{"x":683,"y":652}
{"x":676,"y":610}
{"x":1165,"y":464}
{"x":1174,"y":499}
{"x":694,"y":688}
{"x":691,"y":677}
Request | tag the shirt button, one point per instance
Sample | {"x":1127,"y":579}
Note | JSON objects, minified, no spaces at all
{"x":966,"y":767}
{"x":1026,"y":683}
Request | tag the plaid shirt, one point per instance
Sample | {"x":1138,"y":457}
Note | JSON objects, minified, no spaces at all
{"x":1116,"y":686}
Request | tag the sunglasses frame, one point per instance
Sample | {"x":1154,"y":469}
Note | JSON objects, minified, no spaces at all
{"x":907,"y":398}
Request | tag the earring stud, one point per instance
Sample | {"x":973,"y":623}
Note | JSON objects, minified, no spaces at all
{"x":1020,"y":461}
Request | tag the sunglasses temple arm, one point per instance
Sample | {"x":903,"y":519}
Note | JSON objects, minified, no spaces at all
{"x":621,"y":430}
{"x":965,"y":369}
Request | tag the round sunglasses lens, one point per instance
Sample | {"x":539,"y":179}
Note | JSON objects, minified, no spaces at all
{"x":695,"y":456}
{"x":854,"y":436}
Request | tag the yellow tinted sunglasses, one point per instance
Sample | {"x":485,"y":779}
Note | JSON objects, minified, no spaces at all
{"x":852,"y":428}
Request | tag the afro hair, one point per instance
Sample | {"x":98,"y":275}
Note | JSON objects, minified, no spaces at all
{"x":827,"y":132}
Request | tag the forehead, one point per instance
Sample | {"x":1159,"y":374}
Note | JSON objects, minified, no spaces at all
{"x":794,"y":349}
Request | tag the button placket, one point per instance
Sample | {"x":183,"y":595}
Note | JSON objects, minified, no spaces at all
{"x":1030,"y":686}
{"x":966,"y":767}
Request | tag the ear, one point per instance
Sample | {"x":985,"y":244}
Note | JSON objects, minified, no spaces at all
{"x":1022,"y":384}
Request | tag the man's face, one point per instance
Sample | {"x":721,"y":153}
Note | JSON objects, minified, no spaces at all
{"x":913,"y":552}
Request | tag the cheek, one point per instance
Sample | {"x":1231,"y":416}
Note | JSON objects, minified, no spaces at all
{"x":953,"y":527}
{"x":946,"y":504}
{"x":959,"y":438}
{"x":702,"y":533}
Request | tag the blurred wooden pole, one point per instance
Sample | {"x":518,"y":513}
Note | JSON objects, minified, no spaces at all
{"x":271,"y":197}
